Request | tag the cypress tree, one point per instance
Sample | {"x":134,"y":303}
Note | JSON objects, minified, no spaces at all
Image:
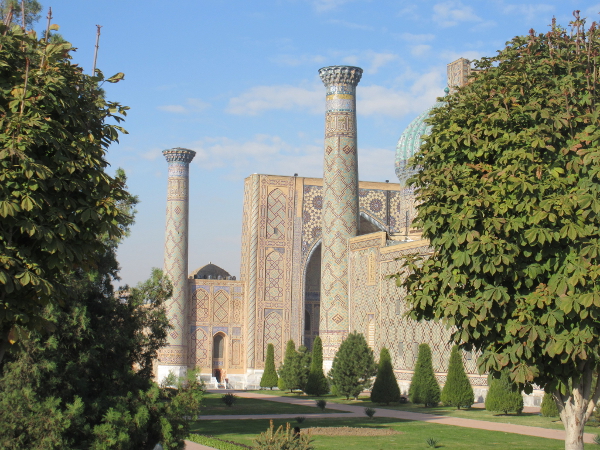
{"x":269,"y":378}
{"x":503,"y":395}
{"x":385,"y":388}
{"x":549,"y":408}
{"x":457,"y":390}
{"x":288,"y":371}
{"x":302,"y":367}
{"x":353,"y":366}
{"x":317,"y":384}
{"x":424,"y":388}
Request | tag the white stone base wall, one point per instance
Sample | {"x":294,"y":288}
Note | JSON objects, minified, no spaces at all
{"x":163,"y":371}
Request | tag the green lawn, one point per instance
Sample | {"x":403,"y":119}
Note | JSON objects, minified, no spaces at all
{"x":212,"y":405}
{"x":414,"y":435}
{"x":527,"y":419}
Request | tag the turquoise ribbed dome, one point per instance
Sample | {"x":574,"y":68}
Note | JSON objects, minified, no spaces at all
{"x":410,"y":142}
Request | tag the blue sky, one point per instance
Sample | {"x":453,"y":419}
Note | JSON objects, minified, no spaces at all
{"x":237,"y":82}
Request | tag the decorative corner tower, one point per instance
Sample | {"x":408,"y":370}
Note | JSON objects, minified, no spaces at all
{"x":340,"y":203}
{"x":173,"y":357}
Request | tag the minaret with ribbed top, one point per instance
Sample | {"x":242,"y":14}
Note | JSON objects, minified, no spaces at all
{"x":173,"y":357}
{"x":340,"y":217}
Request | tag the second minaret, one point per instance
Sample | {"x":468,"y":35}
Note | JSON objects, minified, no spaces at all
{"x":340,"y":217}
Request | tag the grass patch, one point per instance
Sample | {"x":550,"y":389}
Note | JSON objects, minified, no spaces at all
{"x":213,"y":405}
{"x":526,"y":419}
{"x":413,"y":435}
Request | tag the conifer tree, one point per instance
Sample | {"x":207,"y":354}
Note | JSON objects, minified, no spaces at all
{"x":385,"y":388}
{"x":458,"y":390}
{"x":269,"y":378}
{"x":424,"y":387}
{"x":353,"y":366}
{"x":302,"y":367}
{"x":317,"y":384}
{"x":549,"y":408}
{"x":503,"y":395}
{"x":288,"y":372}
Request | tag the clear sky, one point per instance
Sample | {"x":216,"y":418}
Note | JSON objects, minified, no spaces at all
{"x":237,"y":81}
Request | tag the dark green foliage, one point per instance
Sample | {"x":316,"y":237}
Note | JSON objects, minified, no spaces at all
{"x":424,"y":387}
{"x":370,"y":412}
{"x":504,"y":395}
{"x":549,"y":408}
{"x":300,"y":419}
{"x":302,"y":365}
{"x":457,"y":391}
{"x":229,"y":399}
{"x":432,"y":442}
{"x":353,"y":366}
{"x":288,"y":374}
{"x":385,"y":388}
{"x":293,"y":374}
{"x":281,"y":384}
{"x":321,"y":404}
{"x":317,"y":383}
{"x":269,"y":378}
{"x":283,"y":439}
{"x":55,"y":197}
{"x":89,"y":384}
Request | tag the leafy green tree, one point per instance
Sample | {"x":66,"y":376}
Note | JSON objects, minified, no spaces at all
{"x":508,"y":196}
{"x":549,"y":408}
{"x":317,"y":383}
{"x":424,"y":387}
{"x":504,"y":395}
{"x":269,"y":378}
{"x":288,"y":373}
{"x":458,"y":390}
{"x":353,"y":366}
{"x":55,"y":195}
{"x":385,"y":388}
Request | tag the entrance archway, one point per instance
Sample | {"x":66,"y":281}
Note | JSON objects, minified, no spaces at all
{"x":218,"y":357}
{"x":312,"y":296}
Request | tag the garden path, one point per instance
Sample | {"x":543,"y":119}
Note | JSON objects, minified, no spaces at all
{"x":358,"y":411}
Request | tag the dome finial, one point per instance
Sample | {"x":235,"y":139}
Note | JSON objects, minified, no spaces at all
{"x":446,"y":90}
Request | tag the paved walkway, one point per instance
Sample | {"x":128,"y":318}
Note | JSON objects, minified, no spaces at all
{"x":358,"y":411}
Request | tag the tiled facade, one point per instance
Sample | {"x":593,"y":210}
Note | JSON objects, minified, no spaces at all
{"x":315,"y":258}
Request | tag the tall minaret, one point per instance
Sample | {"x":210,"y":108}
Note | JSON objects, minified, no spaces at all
{"x":173,"y":357}
{"x":340,"y":203}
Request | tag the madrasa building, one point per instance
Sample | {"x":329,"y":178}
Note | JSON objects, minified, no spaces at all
{"x":315,"y":258}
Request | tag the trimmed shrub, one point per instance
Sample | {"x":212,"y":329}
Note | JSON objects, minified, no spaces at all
{"x":457,"y":391}
{"x":281,"y":384}
{"x":370,"y":412}
{"x":229,"y":399}
{"x":269,"y":378}
{"x":549,"y":408}
{"x":424,"y":388}
{"x":385,"y":389}
{"x":317,"y":383}
{"x":321,"y":404}
{"x":353,"y":366}
{"x":503,"y":395}
{"x":289,"y":370}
